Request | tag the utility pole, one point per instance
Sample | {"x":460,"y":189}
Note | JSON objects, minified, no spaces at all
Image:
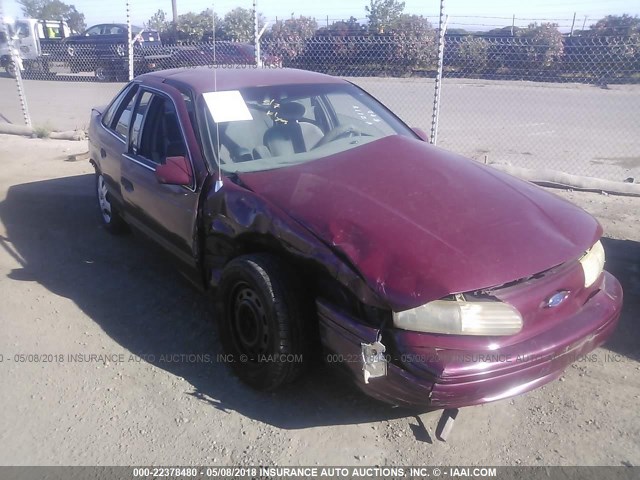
{"x":174,"y":9}
{"x":513,"y":24}
{"x":585,"y":22}
{"x":572,"y":24}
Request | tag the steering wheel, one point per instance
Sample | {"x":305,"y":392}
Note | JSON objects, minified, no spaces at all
{"x":337,"y":133}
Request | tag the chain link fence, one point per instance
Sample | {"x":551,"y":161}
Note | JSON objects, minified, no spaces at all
{"x":565,"y":103}
{"x":569,"y":106}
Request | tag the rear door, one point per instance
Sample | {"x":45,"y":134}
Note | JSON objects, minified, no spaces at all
{"x":166,"y":213}
{"x":111,"y":134}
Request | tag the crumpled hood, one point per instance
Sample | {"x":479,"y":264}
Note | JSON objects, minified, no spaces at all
{"x":420,"y":223}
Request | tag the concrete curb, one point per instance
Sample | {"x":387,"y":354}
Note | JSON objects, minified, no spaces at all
{"x":556,"y":179}
{"x":11,"y":129}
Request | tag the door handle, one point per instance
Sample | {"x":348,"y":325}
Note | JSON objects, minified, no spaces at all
{"x":128,"y":186}
{"x":103,"y":153}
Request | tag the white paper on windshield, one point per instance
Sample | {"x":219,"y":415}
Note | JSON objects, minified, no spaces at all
{"x":228,"y":106}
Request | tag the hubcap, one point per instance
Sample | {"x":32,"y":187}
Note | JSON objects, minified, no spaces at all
{"x":103,"y":200}
{"x":249,"y":323}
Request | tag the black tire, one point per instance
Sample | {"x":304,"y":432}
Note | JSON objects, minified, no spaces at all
{"x":104,"y":73}
{"x":10,"y":68}
{"x":111,"y":219}
{"x":264,"y":319}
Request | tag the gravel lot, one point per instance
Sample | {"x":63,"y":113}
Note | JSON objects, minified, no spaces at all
{"x":70,"y":288}
{"x":579,"y":129}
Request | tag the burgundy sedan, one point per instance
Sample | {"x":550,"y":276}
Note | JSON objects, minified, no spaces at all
{"x":320,"y":222}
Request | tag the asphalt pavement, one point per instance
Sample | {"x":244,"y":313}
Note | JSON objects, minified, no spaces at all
{"x":579,"y":129}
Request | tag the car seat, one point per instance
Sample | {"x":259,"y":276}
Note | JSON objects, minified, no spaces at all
{"x":291,"y":132}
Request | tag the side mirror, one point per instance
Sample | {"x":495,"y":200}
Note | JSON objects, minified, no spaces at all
{"x":175,"y":171}
{"x":421,"y":133}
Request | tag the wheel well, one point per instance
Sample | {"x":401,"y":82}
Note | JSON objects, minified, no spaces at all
{"x":318,"y":281}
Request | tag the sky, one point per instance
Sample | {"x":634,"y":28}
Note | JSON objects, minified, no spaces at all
{"x":468,"y":14}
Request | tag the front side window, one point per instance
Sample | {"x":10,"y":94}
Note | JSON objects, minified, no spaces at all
{"x":22,"y":29}
{"x":161,"y":134}
{"x":293,"y":124}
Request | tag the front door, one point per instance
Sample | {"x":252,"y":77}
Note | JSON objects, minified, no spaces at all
{"x":167,"y":213}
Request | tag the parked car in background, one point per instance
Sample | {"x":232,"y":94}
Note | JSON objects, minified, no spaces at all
{"x":319,"y":218}
{"x":103,"y":49}
{"x":220,"y":53}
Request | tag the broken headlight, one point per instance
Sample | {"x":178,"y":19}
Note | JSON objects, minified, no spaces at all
{"x":592,"y":264}
{"x":460,"y":317}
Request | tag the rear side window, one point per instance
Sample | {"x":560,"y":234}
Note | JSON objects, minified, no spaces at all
{"x":97,"y":30}
{"x":126,"y":93}
{"x":124,"y":118}
{"x":141,"y":111}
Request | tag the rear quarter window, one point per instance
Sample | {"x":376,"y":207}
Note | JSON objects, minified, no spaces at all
{"x":115,"y":111}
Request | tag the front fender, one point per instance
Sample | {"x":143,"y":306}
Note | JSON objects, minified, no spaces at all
{"x":237,"y":219}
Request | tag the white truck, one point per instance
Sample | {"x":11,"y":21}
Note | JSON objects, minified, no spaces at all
{"x":31,"y":44}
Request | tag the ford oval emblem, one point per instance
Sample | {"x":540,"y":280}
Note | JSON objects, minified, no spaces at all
{"x":556,"y":299}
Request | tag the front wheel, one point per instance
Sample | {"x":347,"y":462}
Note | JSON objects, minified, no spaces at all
{"x":109,"y":215}
{"x":263,"y":321}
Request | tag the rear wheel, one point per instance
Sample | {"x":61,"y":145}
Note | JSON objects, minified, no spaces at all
{"x":109,"y":214}
{"x":104,"y":73}
{"x":10,"y":68}
{"x":263,"y":321}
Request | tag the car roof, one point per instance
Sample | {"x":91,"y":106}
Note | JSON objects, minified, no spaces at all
{"x":201,"y":79}
{"x":121,"y":25}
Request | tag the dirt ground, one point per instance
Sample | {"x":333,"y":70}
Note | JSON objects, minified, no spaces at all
{"x":69,"y":288}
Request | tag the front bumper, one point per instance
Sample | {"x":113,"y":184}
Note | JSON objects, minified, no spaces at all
{"x":418,"y":375}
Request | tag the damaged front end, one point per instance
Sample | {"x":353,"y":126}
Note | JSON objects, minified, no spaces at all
{"x":452,"y":314}
{"x":409,"y":363}
{"x":358,"y":348}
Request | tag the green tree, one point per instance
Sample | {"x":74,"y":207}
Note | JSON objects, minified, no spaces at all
{"x":383,"y":14}
{"x":458,"y":31}
{"x":53,"y":10}
{"x":196,"y":27}
{"x":238,"y":25}
{"x":344,"y":28}
{"x":617,"y":26}
{"x":543,"y":46}
{"x":287,"y":39}
{"x":415,"y":42}
{"x":158,"y":21}
{"x":472,"y":54}
{"x":616,"y":46}
{"x":502,"y":32}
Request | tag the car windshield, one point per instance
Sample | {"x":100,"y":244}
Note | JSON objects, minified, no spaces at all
{"x":293,"y":124}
